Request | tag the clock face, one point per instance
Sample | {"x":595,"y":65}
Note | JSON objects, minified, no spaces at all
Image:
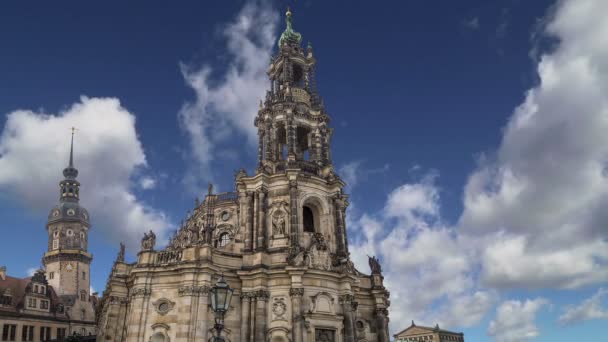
{"x":69,"y":267}
{"x":85,"y":215}
{"x":225,"y":216}
{"x":71,"y":212}
{"x":55,"y":213}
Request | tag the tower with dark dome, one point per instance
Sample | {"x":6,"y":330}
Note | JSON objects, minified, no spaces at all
{"x":67,"y":261}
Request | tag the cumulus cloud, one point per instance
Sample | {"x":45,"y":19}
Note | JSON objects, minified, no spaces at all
{"x":34,"y":150}
{"x":226,"y":107}
{"x":590,"y":308}
{"x":427,"y":267}
{"x":515,"y":320}
{"x":541,"y":202}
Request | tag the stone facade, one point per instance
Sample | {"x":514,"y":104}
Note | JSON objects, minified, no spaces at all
{"x":417,"y":333}
{"x":55,"y":302}
{"x":279,"y":240}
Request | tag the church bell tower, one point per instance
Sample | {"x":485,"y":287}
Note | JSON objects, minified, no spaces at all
{"x":67,"y":261}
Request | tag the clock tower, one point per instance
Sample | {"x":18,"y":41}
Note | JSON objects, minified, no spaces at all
{"x":67,"y":261}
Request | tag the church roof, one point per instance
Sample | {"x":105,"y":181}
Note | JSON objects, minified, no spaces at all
{"x":17,"y":288}
{"x":420,"y":329}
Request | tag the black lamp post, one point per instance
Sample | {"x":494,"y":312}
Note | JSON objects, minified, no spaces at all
{"x":221,"y":294}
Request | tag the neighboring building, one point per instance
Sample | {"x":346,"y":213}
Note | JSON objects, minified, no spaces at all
{"x":55,"y":302}
{"x":279,"y":240}
{"x":419,"y":333}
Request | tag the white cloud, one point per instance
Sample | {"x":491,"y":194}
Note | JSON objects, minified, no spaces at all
{"x":427,"y":269}
{"x":147,"y":183}
{"x":225,"y":108}
{"x":34,"y":150}
{"x":515,"y":320}
{"x":590,"y":308}
{"x":541,"y":203}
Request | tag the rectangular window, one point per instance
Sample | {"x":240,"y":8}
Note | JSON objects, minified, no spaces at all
{"x":84,"y":276}
{"x":27,"y":333}
{"x":44,"y":304}
{"x":55,"y":244}
{"x":60,"y":333}
{"x":51,"y":275}
{"x":45,"y":333}
{"x":8,"y":332}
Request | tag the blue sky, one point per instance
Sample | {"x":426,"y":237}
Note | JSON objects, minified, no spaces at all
{"x":471,"y":134}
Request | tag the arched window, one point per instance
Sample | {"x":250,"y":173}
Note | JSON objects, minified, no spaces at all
{"x":223,"y":240}
{"x":309,"y":219}
{"x":83,"y":296}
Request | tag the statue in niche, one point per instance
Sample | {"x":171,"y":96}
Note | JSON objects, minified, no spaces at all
{"x":278,"y":224}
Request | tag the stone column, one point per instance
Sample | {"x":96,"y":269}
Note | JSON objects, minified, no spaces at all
{"x":347,"y":302}
{"x":261,"y":222}
{"x":296,"y":310}
{"x":202,"y":315}
{"x":260,"y":315}
{"x":260,"y":146}
{"x":245,"y":307}
{"x":382,"y":324}
{"x":268,"y":142}
{"x":253,"y":317}
{"x":293,"y":210}
{"x":340,"y":206}
{"x":256,"y":211}
{"x":249,"y":222}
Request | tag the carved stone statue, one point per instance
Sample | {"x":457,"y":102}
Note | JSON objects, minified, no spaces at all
{"x":278,"y":225}
{"x":121,"y":253}
{"x":148,"y":241}
{"x":374,"y":265}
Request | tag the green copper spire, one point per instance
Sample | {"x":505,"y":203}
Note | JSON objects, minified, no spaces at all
{"x":289,"y":34}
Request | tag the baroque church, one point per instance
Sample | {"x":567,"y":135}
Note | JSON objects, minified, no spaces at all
{"x":279,"y":240}
{"x":56,"y":301}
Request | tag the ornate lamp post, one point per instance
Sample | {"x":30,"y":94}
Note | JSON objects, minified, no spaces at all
{"x":221,"y":294}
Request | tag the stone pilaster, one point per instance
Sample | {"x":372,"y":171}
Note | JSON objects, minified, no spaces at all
{"x":249,"y":221}
{"x":245,"y":311}
{"x":202,"y":313}
{"x":348,"y":306}
{"x":296,"y":317}
{"x":261,"y":220}
{"x":293,"y":210}
{"x":382,"y":324}
{"x":260,"y":146}
{"x":260,"y":315}
{"x":256,"y":211}
{"x":138,"y":313}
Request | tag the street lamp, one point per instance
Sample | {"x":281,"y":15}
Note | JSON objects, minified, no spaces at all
{"x":221,"y":294}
